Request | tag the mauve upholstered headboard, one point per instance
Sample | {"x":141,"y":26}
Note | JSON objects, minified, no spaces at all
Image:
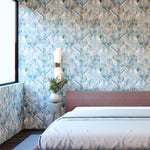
{"x":122,"y":98}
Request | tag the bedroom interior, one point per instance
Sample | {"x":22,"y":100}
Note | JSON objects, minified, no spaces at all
{"x":104,"y":47}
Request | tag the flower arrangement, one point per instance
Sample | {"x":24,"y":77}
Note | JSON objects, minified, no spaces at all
{"x":56,"y":84}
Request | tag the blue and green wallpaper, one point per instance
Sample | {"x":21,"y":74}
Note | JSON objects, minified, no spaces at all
{"x":105,"y":47}
{"x":11,"y":110}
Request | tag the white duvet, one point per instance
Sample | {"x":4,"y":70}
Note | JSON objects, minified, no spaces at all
{"x":97,"y":128}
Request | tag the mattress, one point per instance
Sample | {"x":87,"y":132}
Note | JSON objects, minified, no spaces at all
{"x":97,"y":128}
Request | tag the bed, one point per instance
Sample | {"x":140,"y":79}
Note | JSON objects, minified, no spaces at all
{"x":101,"y":120}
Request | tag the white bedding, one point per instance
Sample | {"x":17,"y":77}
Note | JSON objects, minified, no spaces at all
{"x":99,"y":128}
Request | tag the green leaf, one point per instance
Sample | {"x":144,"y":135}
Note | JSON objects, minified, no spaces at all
{"x":100,"y":36}
{"x":26,"y":105}
{"x":138,"y":36}
{"x":63,"y":69}
{"x":56,"y":85}
{"x":118,"y":60}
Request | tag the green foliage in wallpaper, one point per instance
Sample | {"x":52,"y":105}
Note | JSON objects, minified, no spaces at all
{"x":11,"y":110}
{"x":105,"y":47}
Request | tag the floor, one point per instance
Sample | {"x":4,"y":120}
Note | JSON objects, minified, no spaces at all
{"x":18,"y":138}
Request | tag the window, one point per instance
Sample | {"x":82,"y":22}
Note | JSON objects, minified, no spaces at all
{"x":8,"y":41}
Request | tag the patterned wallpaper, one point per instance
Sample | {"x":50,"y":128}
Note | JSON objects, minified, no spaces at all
{"x":105,"y":46}
{"x":11,"y":110}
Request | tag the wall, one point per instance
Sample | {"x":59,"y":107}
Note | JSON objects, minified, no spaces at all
{"x":105,"y":46}
{"x":11,"y":110}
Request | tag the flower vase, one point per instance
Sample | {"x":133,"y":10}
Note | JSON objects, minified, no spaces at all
{"x":55,"y":97}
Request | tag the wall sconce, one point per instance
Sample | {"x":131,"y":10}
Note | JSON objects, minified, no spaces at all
{"x":57,"y":61}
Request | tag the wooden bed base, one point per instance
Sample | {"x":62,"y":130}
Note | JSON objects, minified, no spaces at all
{"x":107,"y":98}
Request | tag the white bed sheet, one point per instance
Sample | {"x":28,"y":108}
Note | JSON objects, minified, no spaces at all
{"x":99,"y":128}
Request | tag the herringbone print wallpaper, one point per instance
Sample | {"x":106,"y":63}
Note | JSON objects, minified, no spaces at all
{"x":11,"y":110}
{"x":105,"y":47}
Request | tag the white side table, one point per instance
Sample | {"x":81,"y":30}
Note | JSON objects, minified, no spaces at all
{"x":54,"y":108}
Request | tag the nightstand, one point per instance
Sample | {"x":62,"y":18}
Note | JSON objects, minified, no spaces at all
{"x":55,"y":110}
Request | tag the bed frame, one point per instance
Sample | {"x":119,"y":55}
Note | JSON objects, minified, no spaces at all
{"x":92,"y":98}
{"x":107,"y":98}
